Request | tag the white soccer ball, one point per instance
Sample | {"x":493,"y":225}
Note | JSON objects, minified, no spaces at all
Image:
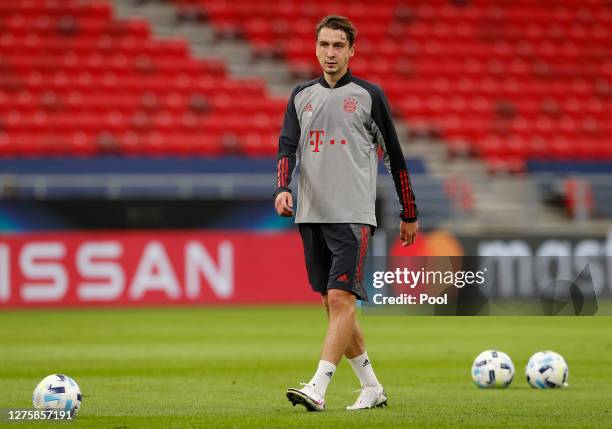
{"x":492,"y":368}
{"x":547,"y":370}
{"x":57,"y":392}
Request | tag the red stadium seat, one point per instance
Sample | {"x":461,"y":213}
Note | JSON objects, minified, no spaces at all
{"x":509,"y":81}
{"x":81,"y":83}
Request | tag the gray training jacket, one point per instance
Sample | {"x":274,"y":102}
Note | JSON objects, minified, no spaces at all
{"x":334,"y":134}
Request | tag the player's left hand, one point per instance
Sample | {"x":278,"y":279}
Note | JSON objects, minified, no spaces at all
{"x":284,"y":204}
{"x":408,"y":232}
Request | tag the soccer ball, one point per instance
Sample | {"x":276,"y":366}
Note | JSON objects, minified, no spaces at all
{"x":492,"y":368}
{"x":57,"y":392}
{"x":547,"y":370}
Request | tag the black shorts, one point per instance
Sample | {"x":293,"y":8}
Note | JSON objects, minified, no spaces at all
{"x":335,"y":256}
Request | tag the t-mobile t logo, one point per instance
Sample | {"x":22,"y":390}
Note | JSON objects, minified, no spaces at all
{"x":316,"y":139}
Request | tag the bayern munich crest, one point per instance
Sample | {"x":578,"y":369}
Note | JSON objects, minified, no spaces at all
{"x":350,"y":104}
{"x":308,"y":109}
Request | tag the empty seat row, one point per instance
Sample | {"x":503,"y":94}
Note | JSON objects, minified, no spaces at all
{"x":73,"y":80}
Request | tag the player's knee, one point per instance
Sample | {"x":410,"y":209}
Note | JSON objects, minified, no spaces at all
{"x":340,"y":301}
{"x":325,"y":303}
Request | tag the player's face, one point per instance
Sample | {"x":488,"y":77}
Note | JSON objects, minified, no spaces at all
{"x":333,"y":51}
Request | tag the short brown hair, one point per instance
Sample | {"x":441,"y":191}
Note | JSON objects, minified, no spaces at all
{"x":337,"y":22}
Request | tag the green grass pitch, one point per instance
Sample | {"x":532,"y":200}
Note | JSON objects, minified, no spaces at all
{"x":229,"y":367}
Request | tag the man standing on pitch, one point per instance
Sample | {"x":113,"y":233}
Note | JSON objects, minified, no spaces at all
{"x":334,"y":125}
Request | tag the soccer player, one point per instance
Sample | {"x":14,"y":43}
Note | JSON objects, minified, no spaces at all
{"x":334,"y":125}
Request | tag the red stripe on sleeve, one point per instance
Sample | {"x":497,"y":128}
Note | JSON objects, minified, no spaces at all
{"x":286,"y":171}
{"x":405,"y":193}
{"x":404,"y":199}
{"x":412,"y":202}
{"x":409,"y":196}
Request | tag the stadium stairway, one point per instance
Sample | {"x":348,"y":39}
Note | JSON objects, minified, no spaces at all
{"x":166,"y":22}
{"x":499,"y":202}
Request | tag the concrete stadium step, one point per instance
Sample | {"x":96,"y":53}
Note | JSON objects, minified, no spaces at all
{"x":499,"y":201}
{"x":237,"y":54}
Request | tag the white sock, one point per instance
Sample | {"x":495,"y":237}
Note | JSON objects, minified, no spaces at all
{"x":323,"y":376}
{"x":363,"y":368}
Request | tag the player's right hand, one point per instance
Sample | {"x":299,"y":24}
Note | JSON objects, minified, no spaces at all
{"x":284,"y":204}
